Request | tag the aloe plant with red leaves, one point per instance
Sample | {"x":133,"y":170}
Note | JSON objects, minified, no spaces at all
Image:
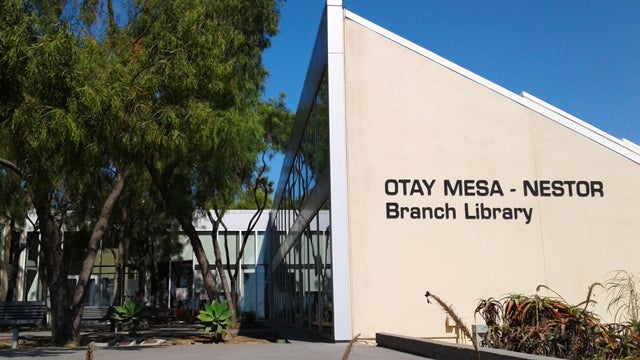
{"x":550,"y":326}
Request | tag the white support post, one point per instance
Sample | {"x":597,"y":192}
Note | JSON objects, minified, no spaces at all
{"x":338,"y":164}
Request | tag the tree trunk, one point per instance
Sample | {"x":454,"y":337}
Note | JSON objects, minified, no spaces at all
{"x":261,"y":183}
{"x":201,"y":256}
{"x":14,"y":256}
{"x":186,"y":222}
{"x":113,"y":26}
{"x":5,"y":265}
{"x":245,"y":237}
{"x":42,"y":269}
{"x":99,"y":229}
{"x":231,"y":297}
{"x":236,"y":267}
{"x":123,"y":249}
{"x":51,"y":247}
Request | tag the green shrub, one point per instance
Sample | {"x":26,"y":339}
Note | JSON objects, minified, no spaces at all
{"x":131,"y":314}
{"x":216,"y":318}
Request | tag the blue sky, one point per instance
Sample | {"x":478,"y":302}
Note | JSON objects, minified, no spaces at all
{"x":580,"y":56}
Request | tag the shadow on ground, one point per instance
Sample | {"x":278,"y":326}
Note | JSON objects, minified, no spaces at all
{"x":174,"y":334}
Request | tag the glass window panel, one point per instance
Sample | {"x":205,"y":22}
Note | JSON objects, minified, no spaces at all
{"x":249,"y":257}
{"x":262,"y":249}
{"x":322,"y":127}
{"x":207,"y":244}
{"x":301,"y":286}
{"x":181,"y":249}
{"x":232,"y":244}
{"x":261,"y":284}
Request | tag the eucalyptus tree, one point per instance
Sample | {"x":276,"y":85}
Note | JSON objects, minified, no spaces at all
{"x":90,"y":96}
{"x":54,"y":110}
{"x":144,"y":236}
{"x":14,"y":205}
{"x":255,"y":194}
{"x":202,"y":61}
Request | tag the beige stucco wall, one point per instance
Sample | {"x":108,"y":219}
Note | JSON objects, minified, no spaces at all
{"x":408,"y":117}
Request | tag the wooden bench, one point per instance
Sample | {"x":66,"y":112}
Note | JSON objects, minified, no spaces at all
{"x":99,"y":314}
{"x":16,"y":314}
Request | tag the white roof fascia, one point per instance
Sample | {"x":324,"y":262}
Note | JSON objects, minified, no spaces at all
{"x":588,"y":130}
{"x":235,"y":220}
{"x":527,"y":100}
{"x":631,"y":144}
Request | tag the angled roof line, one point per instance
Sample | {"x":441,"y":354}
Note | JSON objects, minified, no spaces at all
{"x":622,"y":147}
{"x":631,"y":144}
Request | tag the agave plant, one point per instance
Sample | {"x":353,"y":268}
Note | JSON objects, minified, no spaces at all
{"x":131,"y":314}
{"x":216,"y":318}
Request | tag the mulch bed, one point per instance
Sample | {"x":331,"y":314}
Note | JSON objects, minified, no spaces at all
{"x":182,"y":336}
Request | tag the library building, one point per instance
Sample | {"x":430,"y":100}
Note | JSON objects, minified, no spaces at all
{"x":407,"y":173}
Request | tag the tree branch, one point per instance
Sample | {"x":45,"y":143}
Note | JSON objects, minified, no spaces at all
{"x":12,"y":167}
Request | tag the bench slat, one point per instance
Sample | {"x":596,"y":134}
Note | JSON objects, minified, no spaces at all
{"x":22,"y":313}
{"x":101,"y":313}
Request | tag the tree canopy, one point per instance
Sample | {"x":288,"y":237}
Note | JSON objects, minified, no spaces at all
{"x":93,"y":94}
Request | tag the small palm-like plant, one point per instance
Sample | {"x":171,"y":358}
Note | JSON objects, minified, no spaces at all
{"x":216,"y":318}
{"x":131,"y":314}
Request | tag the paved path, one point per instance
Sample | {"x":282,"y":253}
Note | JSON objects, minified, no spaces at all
{"x":299,"y":350}
{"x":299,"y":346}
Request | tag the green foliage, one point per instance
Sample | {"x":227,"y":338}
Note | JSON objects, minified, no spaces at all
{"x":277,"y":122}
{"x":131,"y":314}
{"x":169,"y":89}
{"x":177,"y":89}
{"x":216,"y":318}
{"x":246,"y":200}
{"x":15,"y":200}
{"x":550,"y":326}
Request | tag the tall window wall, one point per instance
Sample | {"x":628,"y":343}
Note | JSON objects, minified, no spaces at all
{"x":251,"y":285}
{"x":302,"y":278}
{"x":166,"y":273}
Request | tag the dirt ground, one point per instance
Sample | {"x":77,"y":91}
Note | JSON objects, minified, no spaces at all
{"x":175,"y":335}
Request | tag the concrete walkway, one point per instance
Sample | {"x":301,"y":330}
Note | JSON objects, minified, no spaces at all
{"x":299,"y":345}
{"x":304,"y":351}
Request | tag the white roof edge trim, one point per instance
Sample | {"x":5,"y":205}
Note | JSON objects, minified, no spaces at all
{"x":585,"y":125}
{"x":525,"y":100}
{"x":631,"y":144}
